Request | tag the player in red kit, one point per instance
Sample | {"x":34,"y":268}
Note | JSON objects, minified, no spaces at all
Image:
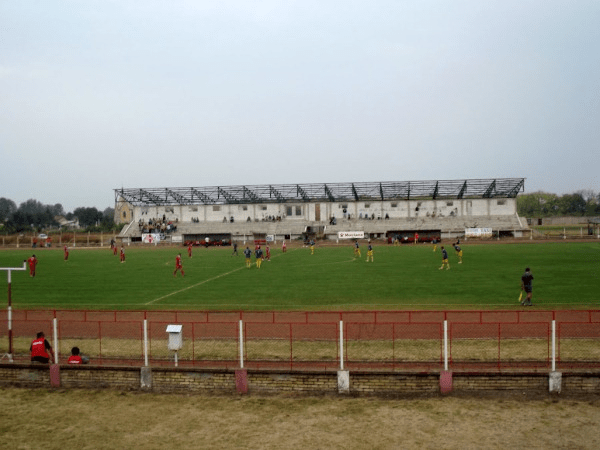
{"x":122,"y":255}
{"x":267,"y":253}
{"x":32,"y":264}
{"x":66,"y":253}
{"x":178,"y":266}
{"x":189,"y":250}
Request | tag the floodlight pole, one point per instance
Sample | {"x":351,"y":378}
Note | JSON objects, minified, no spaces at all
{"x":9,"y":355}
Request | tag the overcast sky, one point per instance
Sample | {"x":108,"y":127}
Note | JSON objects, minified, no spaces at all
{"x":98,"y":95}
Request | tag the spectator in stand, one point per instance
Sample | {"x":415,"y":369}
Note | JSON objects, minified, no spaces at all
{"x":40,"y":349}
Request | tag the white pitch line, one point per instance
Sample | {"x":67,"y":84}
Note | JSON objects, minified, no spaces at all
{"x":193,"y":286}
{"x":197,"y":284}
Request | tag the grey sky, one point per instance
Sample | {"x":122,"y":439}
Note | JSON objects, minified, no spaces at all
{"x":95,"y":95}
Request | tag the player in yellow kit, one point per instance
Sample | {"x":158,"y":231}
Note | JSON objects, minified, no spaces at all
{"x":356,"y":249}
{"x":370,"y":252}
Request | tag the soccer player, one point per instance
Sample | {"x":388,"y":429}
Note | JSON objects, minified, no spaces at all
{"x":32,"y":265}
{"x":370,"y":252}
{"x":40,"y":349}
{"x":356,"y":249}
{"x":526,"y":285}
{"x":190,"y":250}
{"x":283,"y":247}
{"x":178,"y":266}
{"x":445,"y":259}
{"x":66,"y":253}
{"x":258,"y":253}
{"x":267,"y":253}
{"x":312,"y":247}
{"x":434,"y":241}
{"x":122,"y":255}
{"x":234,"y":249}
{"x":458,"y":252}
{"x":416,"y":238}
{"x":248,"y":255}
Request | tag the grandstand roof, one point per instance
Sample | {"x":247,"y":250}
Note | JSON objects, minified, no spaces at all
{"x":327,"y":192}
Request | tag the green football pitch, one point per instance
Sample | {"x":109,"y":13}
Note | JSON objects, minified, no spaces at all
{"x":567,"y":275}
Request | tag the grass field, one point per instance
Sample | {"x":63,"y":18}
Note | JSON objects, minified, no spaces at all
{"x":567,"y":275}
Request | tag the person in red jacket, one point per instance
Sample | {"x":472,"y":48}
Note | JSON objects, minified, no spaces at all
{"x":41,"y":350}
{"x":66,"y":253}
{"x":190,"y":250}
{"x":178,"y":266}
{"x":32,"y":264}
{"x":75,"y":358}
{"x":122,"y":255}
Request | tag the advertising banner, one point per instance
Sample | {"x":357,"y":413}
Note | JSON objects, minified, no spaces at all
{"x":351,"y":234}
{"x":150,"y":238}
{"x":478,"y":232}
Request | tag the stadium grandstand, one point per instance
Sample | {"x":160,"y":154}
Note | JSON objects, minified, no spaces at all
{"x":375,"y":210}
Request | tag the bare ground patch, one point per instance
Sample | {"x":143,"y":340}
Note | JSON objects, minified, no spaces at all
{"x":118,"y":420}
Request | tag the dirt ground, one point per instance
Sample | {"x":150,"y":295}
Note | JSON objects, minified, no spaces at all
{"x":80,"y":419}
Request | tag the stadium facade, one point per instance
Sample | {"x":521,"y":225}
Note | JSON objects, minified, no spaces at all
{"x":378,"y":209}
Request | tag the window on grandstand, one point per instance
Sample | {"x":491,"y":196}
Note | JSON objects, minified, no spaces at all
{"x":264,"y":208}
{"x":501,"y":202}
{"x":394,"y":205}
{"x":367,"y":205}
{"x":216,"y":207}
{"x":449,"y":203}
{"x":193,"y":208}
{"x":243,"y":207}
{"x":298,"y":210}
{"x":288,"y":210}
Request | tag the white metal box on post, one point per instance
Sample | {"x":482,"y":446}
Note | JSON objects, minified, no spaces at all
{"x":175,"y":339}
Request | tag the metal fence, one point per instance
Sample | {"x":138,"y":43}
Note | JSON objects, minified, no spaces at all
{"x":302,"y":340}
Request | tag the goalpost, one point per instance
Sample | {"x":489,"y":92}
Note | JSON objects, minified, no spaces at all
{"x":9,"y":355}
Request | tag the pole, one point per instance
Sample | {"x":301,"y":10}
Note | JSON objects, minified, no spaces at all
{"x":241,"y":345}
{"x":553,"y":346}
{"x":55,"y":339}
{"x":146,"y":342}
{"x":9,"y":355}
{"x":341,"y":345}
{"x":446,"y":345}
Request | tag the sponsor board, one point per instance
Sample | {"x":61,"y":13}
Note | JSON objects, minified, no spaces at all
{"x":351,"y":234}
{"x":150,"y":238}
{"x":478,"y":232}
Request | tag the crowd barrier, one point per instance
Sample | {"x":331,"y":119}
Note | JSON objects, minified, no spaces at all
{"x":316,"y":340}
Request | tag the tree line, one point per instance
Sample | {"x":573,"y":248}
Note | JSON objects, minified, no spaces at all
{"x":543,"y":204}
{"x":33,"y":215}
